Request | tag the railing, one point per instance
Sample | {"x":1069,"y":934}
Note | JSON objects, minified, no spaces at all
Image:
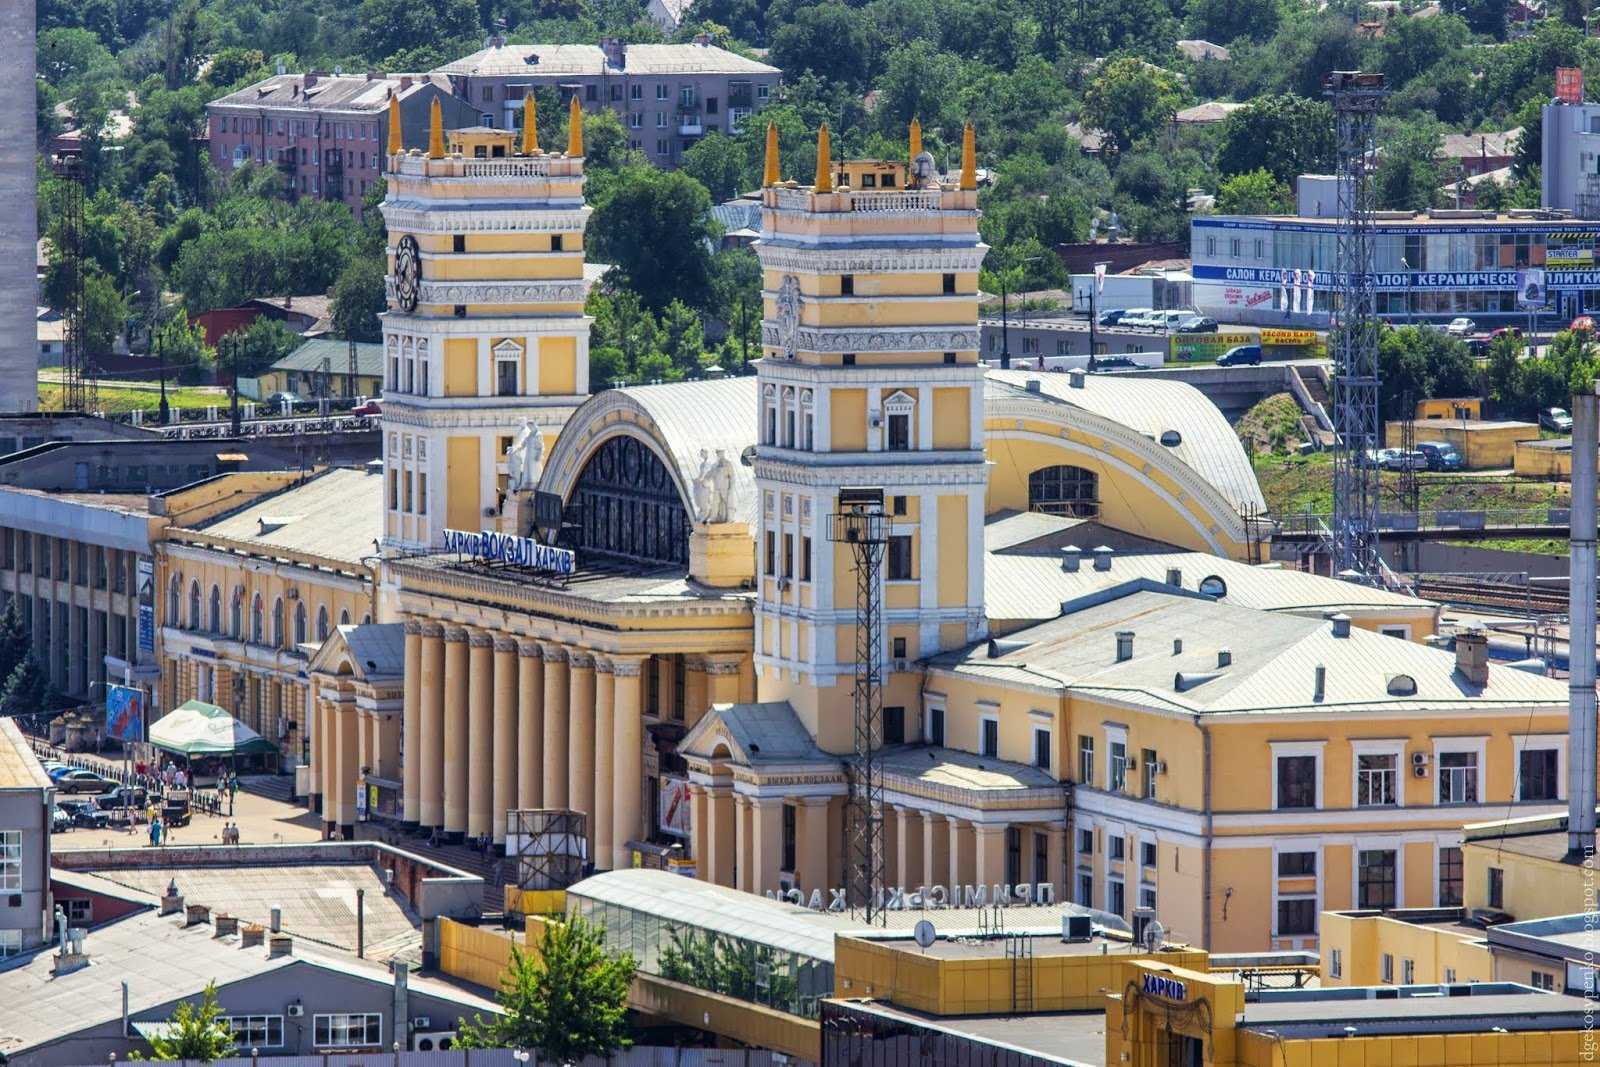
{"x":896,"y":202}
{"x":1314,"y":524}
{"x":506,"y":168}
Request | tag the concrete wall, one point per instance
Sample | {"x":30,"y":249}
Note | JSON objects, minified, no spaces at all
{"x":25,"y":809}
{"x":19,"y":390}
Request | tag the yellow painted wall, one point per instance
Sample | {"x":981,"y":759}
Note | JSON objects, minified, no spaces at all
{"x":1548,"y":1048}
{"x":460,"y":366}
{"x":463,"y":507}
{"x":558,"y":366}
{"x":953,"y":534}
{"x":1534,"y":888}
{"x":1481,"y":446}
{"x":848,"y":412}
{"x":475,"y":955}
{"x":1531,"y":462}
{"x":543,"y":267}
{"x":1363,"y":940}
{"x":952,"y":419}
{"x":1449,"y":408}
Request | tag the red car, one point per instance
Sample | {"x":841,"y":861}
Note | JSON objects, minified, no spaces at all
{"x":1504,"y":331}
{"x":371,"y":407}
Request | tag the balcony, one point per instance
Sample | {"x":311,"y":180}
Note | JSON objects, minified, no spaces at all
{"x":690,"y":124}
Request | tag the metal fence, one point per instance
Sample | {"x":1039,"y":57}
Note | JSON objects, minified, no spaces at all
{"x":1310,"y":524}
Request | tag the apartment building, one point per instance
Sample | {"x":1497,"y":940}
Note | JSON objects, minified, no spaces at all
{"x":667,"y":95}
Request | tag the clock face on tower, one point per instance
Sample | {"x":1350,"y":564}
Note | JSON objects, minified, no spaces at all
{"x":407,"y":273}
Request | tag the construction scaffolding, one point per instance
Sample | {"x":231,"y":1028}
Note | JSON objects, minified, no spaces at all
{"x":862,"y":524}
{"x":549,"y":846}
{"x":1356,"y":98}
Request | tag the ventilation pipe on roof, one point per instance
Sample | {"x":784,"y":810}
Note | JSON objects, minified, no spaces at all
{"x":1032,"y":385}
{"x":1070,"y":555}
{"x":1175,"y":577}
{"x":1075,"y":379}
{"x":1102,"y":558}
{"x":1320,"y":688}
{"x":1581,"y":635}
{"x":1177,"y":646}
{"x":1124,"y":645}
{"x":999,"y":647}
{"x":1341,"y":624}
{"x":1224,"y":657}
{"x":1184,"y":681}
{"x":1472,"y":655}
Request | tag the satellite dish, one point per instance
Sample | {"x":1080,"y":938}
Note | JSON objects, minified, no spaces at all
{"x":1154,"y":935}
{"x":924,"y":933}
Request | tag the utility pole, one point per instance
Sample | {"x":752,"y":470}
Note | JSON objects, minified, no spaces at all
{"x":161,"y":358}
{"x":1005,"y":327}
{"x":233,"y":389}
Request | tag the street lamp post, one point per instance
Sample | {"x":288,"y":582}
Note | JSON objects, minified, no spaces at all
{"x":165,"y":410}
{"x":233,"y":388}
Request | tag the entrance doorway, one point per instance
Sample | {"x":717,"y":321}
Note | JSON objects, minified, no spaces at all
{"x":1184,"y":1051}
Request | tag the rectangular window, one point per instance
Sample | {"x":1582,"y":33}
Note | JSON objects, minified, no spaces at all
{"x":788,"y":555}
{"x":1542,"y":980}
{"x":1147,"y":853}
{"x":1375,"y":878}
{"x":1297,"y":916}
{"x":1041,"y":748}
{"x":1536,"y":774}
{"x":772,"y":554}
{"x":989,"y":740}
{"x":1297,"y":781}
{"x":10,"y":943}
{"x":897,"y":505}
{"x":1117,"y":767}
{"x":1336,"y":963}
{"x":900,"y":558}
{"x":805,"y":559}
{"x":1458,"y":777}
{"x":1085,"y":760}
{"x":789,"y":836}
{"x":10,"y":860}
{"x":458,"y":242}
{"x":422,"y":492}
{"x":894,"y":726}
{"x":635,"y":92}
{"x":558,"y":242}
{"x":847,"y":285}
{"x":1408,"y":971}
{"x":1375,"y":779}
{"x":80,"y":910}
{"x":936,"y":726}
{"x":1013,"y":854}
{"x":1116,"y":847}
{"x":1116,"y":900}
{"x":949,"y":284}
{"x":1386,"y":969}
{"x":1497,"y":887}
{"x":898,"y":647}
{"x":506,"y":377}
{"x":1450,"y":870}
{"x":355,"y":1030}
{"x":661,"y":92}
{"x":254,"y":1031}
{"x":899,"y":433}
{"x":1297,"y":864}
{"x":1085,"y":842}
{"x":1147,"y":759}
{"x":1041,"y":857}
{"x":591,"y":92}
{"x":1086,"y":889}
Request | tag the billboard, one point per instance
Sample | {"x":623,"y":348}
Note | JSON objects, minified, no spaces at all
{"x":1273,"y":336}
{"x":125,"y":713}
{"x":1530,"y":288}
{"x":1241,"y":296}
{"x":1569,"y":85}
{"x":1203,"y":347}
{"x":674,"y":807}
{"x":147,"y":604}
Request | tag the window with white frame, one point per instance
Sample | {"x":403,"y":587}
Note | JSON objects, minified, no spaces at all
{"x":80,"y":910}
{"x":1296,"y":775}
{"x":1116,"y":896}
{"x":1147,"y":897}
{"x":1041,"y":747}
{"x":1541,"y":767}
{"x":1449,"y":976}
{"x":1085,"y":843}
{"x":897,"y":411}
{"x":1336,"y":963}
{"x":1085,"y":759}
{"x":1116,"y":847}
{"x":989,"y":736}
{"x":10,"y":860}
{"x":347,"y":1030}
{"x":1297,"y":916}
{"x":1377,"y":775}
{"x":10,"y":943}
{"x":1408,"y":972}
{"x":254,"y":1031}
{"x":1458,"y":777}
{"x":1402,"y":631}
{"x":1386,"y":969}
{"x":1116,"y":758}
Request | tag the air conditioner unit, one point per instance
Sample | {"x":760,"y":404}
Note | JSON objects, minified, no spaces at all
{"x":420,"y":1022}
{"x":1161,"y":767}
{"x":1419,"y":765}
{"x":433,"y":1040}
{"x":902,"y":665}
{"x":294,"y":1011}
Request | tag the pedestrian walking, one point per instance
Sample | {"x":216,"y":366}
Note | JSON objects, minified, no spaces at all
{"x":155,"y":830}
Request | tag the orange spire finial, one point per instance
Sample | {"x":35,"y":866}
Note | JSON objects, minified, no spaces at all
{"x":770,"y":175}
{"x":916,"y":138}
{"x":969,"y":159}
{"x":530,"y":125}
{"x":436,"y":131}
{"x":575,"y":129}
{"x":396,"y":141}
{"x":824,"y":182}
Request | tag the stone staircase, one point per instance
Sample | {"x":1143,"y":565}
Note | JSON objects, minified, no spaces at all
{"x":278,"y":787}
{"x":494,"y":869}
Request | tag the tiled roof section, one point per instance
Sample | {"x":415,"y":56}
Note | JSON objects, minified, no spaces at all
{"x":328,"y":92}
{"x":1272,"y":671}
{"x":1151,"y":407}
{"x":1198,"y":50}
{"x":335,"y":515}
{"x":1206,"y":113}
{"x":536,"y":60}
{"x":309,"y":357}
{"x":1488,"y":143}
{"x":769,"y":732}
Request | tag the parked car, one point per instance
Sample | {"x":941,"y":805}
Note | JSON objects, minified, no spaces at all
{"x":1442,"y":455}
{"x":1461,"y":327}
{"x":371,"y":407}
{"x":1098,"y":363}
{"x":1241,"y":356}
{"x":1556,"y":419}
{"x":123,"y":796}
{"x":85,"y":813}
{"x":1478,"y":347}
{"x":1138,"y":317}
{"x":1381,"y":457}
{"x":1406,"y":461}
{"x":277,"y":400}
{"x":1505,"y":331}
{"x":1111,"y":318}
{"x":76,"y":780}
{"x":1196,"y":324}
{"x":1169,"y":320}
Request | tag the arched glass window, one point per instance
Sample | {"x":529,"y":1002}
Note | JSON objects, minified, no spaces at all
{"x":257,"y":623}
{"x":365,"y":619}
{"x":236,"y":613}
{"x":175,"y":601}
{"x":300,"y":623}
{"x":630,"y":507}
{"x":322,"y":623}
{"x":194,"y":605}
{"x":277,"y":623}
{"x":214,"y":616}
{"x":1064,"y":490}
{"x":344,"y":618}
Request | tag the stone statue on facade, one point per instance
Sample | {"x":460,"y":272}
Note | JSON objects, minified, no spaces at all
{"x":713,"y":487}
{"x":524,"y":458}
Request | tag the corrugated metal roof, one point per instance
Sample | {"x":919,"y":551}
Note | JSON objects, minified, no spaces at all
{"x":954,"y":768}
{"x":768,"y":732}
{"x":1273,"y":667}
{"x":329,"y":92}
{"x":703,"y":416}
{"x":535,"y":60}
{"x":1150,"y":407}
{"x":335,"y":514}
{"x":309,"y":357}
{"x":380,"y":647}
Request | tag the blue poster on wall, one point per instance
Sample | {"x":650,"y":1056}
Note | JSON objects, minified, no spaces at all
{"x":125,"y":712}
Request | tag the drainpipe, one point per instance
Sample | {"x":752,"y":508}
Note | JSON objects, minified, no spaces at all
{"x":1205,"y":833}
{"x":1581,"y":612}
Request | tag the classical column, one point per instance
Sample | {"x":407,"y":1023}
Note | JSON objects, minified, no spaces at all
{"x":722,"y":681}
{"x":962,"y":862}
{"x":386,"y":744}
{"x":742,"y":865}
{"x":505,"y":749}
{"x":627,"y":776}
{"x":991,"y":852}
{"x":696,"y":693}
{"x":411,"y":725}
{"x":345,"y":780}
{"x":530,"y":725}
{"x":813,"y":845}
{"x":890,"y":844}
{"x":366,"y":742}
{"x":766,"y":816}
{"x":1056,"y":858}
{"x":605,"y":762}
{"x":555,"y":726}
{"x":324,"y":756}
{"x":935,"y":850}
{"x":722,"y":839}
{"x":908,"y":835}
{"x":480,"y":735}
{"x":699,"y":830}
{"x":456,"y":726}
{"x":580,"y":737}
{"x":430,"y":735}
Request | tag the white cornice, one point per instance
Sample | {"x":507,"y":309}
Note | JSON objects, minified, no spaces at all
{"x":901,"y":375}
{"x":497,"y":326}
{"x":452,"y":218}
{"x":876,"y":338}
{"x":871,"y":260}
{"x":439,"y":294}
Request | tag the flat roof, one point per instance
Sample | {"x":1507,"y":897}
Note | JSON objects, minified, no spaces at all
{"x":336,"y":514}
{"x":1568,"y":936}
{"x":1464,"y":1008}
{"x":1077,"y":1038}
{"x":1406,"y":219}
{"x":1542,"y":843}
{"x":19,"y":767}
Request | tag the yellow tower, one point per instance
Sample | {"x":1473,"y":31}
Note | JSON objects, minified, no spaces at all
{"x":485,"y":329}
{"x":869,"y":376}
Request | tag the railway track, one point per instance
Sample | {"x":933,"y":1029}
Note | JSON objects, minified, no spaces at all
{"x":1500,"y":596}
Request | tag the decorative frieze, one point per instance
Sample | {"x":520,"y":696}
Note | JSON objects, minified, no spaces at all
{"x":883,"y":339}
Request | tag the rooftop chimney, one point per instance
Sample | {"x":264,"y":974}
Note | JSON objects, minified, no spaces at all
{"x":251,"y":934}
{"x":275,"y":923}
{"x":1032,"y":385}
{"x":1102,"y":558}
{"x":279,"y":945}
{"x":1341,"y":624}
{"x":1124,"y":645}
{"x":310,"y":79}
{"x":1580,"y":641}
{"x":1070,"y":555}
{"x":171,"y":900}
{"x":703,"y":39}
{"x":1177,"y":646}
{"x":1224,"y":657}
{"x":196,"y":915}
{"x":225,"y":925}
{"x":1175,"y":577}
{"x":1472,"y":655}
{"x":1075,"y":379}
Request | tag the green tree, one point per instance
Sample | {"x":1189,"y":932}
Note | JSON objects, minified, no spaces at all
{"x":682,"y":338}
{"x":1253,"y":193}
{"x":568,"y":1000}
{"x":67,"y":56}
{"x":183,"y":348}
{"x":1223,"y":21}
{"x":830,"y":40}
{"x":195,"y":1032}
{"x":15,"y":644}
{"x":233,"y":65}
{"x":1409,"y":175}
{"x":1285,"y":135}
{"x":384,"y":27}
{"x":261,"y":344}
{"x":655,"y":228}
{"x":1424,"y":363}
{"x":1130,"y":101}
{"x":721,"y":165}
{"x":358,"y":298}
{"x":27,"y":689}
{"x":105,"y":313}
{"x":1505,"y":372}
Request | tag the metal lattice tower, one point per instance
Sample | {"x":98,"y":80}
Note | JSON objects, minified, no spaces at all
{"x":68,"y":166}
{"x":862,"y":524}
{"x":1356,"y":99}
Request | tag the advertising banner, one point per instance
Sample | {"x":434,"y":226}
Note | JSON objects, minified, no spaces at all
{"x":674,"y":807}
{"x":1569,"y":85}
{"x":1569,"y":250}
{"x":124,"y":713}
{"x":1530,"y":288}
{"x":1204,"y":347}
{"x":146,"y":574}
{"x":1273,"y":336}
{"x":1240,"y":296}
